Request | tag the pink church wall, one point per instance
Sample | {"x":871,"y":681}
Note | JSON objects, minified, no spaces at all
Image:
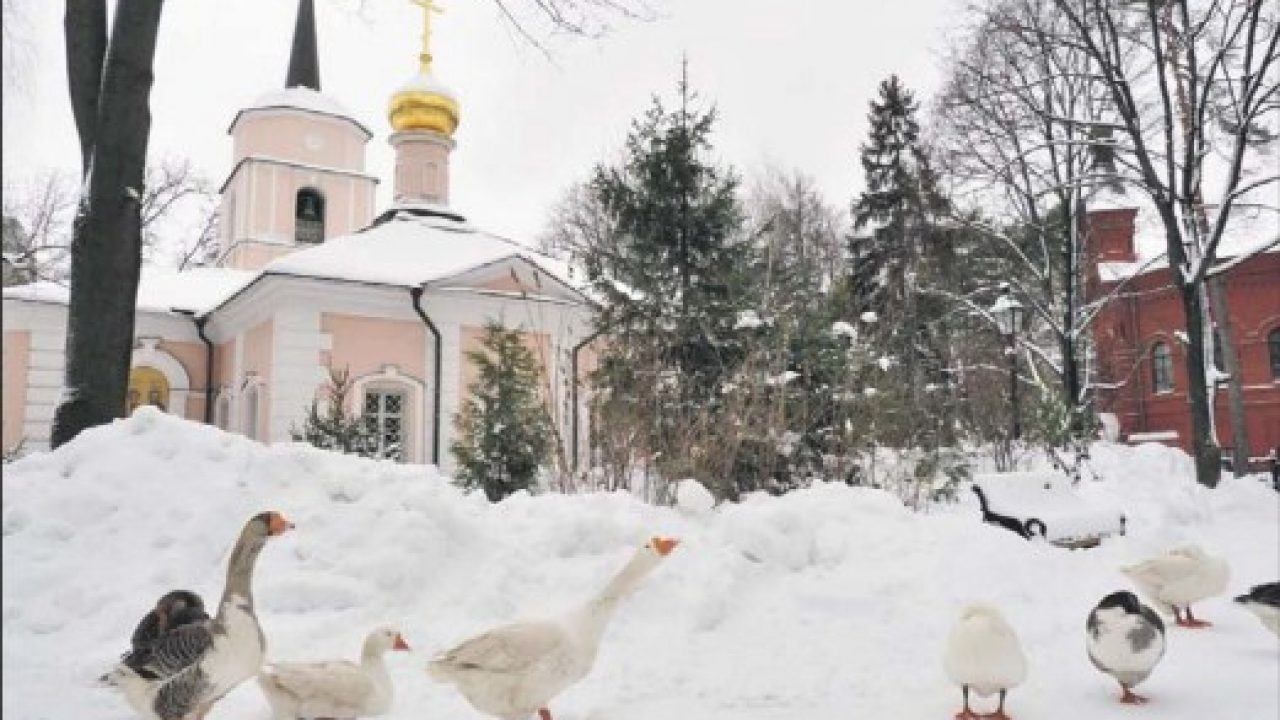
{"x":17,"y":346}
{"x":301,"y":136}
{"x":224,"y":359}
{"x":252,"y":256}
{"x":472,"y":339}
{"x":265,"y":197}
{"x":192,"y":358}
{"x":507,"y":284}
{"x":257,"y":350}
{"x":366,"y":345}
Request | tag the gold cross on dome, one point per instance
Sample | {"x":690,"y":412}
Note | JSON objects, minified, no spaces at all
{"x":428,"y":7}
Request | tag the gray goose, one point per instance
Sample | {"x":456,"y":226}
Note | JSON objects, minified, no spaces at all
{"x":193,"y":666}
{"x":173,"y":610}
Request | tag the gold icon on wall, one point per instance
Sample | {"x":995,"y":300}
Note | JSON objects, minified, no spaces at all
{"x":147,"y":386}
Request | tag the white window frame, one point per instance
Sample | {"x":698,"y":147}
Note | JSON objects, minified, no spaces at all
{"x":379,"y":417}
{"x":414,"y":421}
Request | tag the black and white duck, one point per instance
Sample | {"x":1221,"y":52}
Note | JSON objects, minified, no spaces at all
{"x":1264,"y":601}
{"x":1125,"y":640}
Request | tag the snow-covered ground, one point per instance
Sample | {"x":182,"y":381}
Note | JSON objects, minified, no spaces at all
{"x":827,"y":603}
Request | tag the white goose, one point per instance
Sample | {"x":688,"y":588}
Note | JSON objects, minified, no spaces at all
{"x":514,"y":671}
{"x":335,"y":689}
{"x":193,"y":666}
{"x":1178,"y":578}
{"x":983,"y":655}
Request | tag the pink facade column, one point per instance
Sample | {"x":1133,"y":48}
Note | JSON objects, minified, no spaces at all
{"x":17,"y":346}
{"x":422,"y":167}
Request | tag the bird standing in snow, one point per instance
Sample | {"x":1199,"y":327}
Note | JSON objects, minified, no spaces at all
{"x":193,"y":666}
{"x":983,"y":655}
{"x":1264,"y":601}
{"x":336,"y":689}
{"x":1180,"y":577}
{"x":173,"y":610}
{"x":515,"y":670}
{"x":1125,"y":640}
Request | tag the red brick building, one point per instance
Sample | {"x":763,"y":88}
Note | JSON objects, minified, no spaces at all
{"x":1140,"y":340}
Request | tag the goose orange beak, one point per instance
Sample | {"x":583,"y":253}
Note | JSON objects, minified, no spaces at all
{"x":400,"y":644}
{"x":276,"y":525}
{"x":665,"y":545}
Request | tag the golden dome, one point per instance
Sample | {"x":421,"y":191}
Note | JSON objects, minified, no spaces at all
{"x":423,"y":104}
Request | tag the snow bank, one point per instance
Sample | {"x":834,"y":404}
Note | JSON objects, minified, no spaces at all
{"x":831,"y":602}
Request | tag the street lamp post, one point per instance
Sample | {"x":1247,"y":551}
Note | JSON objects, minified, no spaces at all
{"x":1007,"y":312}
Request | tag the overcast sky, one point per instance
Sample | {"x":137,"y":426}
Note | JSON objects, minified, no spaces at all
{"x":791,"y":80}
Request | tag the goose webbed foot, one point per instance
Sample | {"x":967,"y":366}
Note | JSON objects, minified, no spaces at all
{"x":1131,"y":698}
{"x":1192,"y":622}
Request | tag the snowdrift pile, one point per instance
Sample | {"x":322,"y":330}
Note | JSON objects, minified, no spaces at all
{"x":831,"y":602}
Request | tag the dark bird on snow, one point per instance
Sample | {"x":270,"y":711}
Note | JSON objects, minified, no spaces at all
{"x":173,"y":610}
{"x":1264,"y":601}
{"x":1125,"y":640}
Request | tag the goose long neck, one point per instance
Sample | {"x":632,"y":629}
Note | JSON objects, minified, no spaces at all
{"x":372,"y":659}
{"x":597,"y":612}
{"x":240,"y":567}
{"x":374,"y":667}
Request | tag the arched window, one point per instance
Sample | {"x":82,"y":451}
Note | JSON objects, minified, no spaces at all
{"x":386,"y":410}
{"x":1162,"y":368}
{"x":1273,"y":343}
{"x":250,"y":423}
{"x":309,"y":217}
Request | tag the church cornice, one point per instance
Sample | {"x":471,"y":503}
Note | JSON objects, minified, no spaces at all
{"x":281,"y":162}
{"x":283,"y":107}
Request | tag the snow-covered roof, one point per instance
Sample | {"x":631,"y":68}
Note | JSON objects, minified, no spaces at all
{"x":413,"y":246}
{"x":1243,"y":237}
{"x":300,"y":98}
{"x":410,"y":246}
{"x":160,"y":289}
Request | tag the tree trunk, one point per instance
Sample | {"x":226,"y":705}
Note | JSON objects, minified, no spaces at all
{"x":106,"y":253}
{"x":1235,"y":383}
{"x":85,"y":25}
{"x":1208,"y":457}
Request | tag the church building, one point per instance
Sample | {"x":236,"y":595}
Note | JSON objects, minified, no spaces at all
{"x":311,"y":275}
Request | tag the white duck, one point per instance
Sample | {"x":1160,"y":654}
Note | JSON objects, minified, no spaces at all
{"x":1178,"y":578}
{"x":983,"y":655}
{"x":191,"y":667}
{"x":514,"y":671}
{"x":335,"y":689}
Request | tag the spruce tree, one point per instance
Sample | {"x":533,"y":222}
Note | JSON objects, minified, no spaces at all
{"x":672,"y":276}
{"x":504,"y":429}
{"x":336,"y":429}
{"x":898,"y":252}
